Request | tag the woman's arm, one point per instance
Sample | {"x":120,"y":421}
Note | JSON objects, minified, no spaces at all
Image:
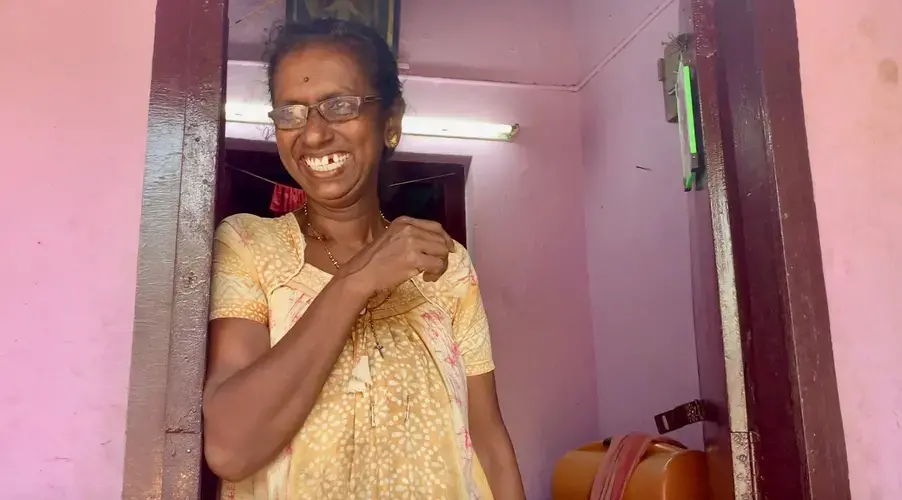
{"x":471,"y":336}
{"x":256,"y":397}
{"x":491,"y":440}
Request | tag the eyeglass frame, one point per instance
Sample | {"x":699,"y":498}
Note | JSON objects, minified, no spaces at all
{"x":361,"y":100}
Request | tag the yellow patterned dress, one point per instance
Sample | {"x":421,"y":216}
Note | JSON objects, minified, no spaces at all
{"x":405,"y":435}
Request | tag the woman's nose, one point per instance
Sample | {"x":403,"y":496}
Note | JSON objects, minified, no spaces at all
{"x":317,"y":131}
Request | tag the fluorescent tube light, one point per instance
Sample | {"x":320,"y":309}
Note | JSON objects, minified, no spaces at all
{"x":460,"y":129}
{"x":411,"y":125}
{"x":248,"y":113}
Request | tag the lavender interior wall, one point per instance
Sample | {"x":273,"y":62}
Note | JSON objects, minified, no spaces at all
{"x":505,"y":40}
{"x":637,"y":227}
{"x":850,"y":53}
{"x":74,"y":107}
{"x":525,"y":208}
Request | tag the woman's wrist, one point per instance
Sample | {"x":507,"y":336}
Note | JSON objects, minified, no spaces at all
{"x":353,"y":287}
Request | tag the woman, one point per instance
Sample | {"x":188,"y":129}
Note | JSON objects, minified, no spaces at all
{"x":349,"y":355}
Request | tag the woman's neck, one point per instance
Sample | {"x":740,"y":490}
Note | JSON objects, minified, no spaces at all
{"x":353,"y":226}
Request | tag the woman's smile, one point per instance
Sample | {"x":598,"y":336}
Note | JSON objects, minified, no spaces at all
{"x":326,"y":165}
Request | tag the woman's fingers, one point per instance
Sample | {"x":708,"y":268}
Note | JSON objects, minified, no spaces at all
{"x":432,"y":267}
{"x":430,"y":258}
{"x":423,"y":244}
{"x":432,"y":228}
{"x":430,"y":247}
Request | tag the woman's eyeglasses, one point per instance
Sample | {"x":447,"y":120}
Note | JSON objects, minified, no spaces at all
{"x":333,"y":110}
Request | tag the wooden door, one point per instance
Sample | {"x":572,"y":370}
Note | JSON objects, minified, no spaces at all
{"x":721,"y":365}
{"x":762,"y":330}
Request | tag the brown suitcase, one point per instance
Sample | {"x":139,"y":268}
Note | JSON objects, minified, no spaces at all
{"x":631,"y":467}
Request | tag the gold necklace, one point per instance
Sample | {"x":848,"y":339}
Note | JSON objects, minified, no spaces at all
{"x":319,"y":236}
{"x":368,"y":313}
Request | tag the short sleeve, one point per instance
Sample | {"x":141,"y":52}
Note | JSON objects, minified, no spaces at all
{"x":235,"y":290}
{"x":471,"y":328}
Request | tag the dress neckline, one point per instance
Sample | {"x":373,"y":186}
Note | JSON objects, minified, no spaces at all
{"x":406,"y":297}
{"x":302,"y":240}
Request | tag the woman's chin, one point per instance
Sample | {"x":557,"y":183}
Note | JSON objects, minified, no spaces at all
{"x":336,"y":187}
{"x":331,"y":192}
{"x":329,"y":184}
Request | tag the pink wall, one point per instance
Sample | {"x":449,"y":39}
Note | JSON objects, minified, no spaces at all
{"x":600,"y":25}
{"x":74,"y":107}
{"x":637,"y":226}
{"x":850,"y":56}
{"x":505,"y":40}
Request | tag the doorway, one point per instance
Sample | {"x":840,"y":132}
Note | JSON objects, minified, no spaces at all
{"x":164,"y":423}
{"x":423,"y":189}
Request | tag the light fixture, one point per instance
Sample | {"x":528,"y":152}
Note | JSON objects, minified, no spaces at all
{"x":240,"y":112}
{"x":458,"y":129}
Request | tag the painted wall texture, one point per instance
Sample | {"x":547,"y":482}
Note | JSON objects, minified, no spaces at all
{"x":74,"y":108}
{"x":505,"y":40}
{"x":636,"y":223}
{"x":850,"y":55}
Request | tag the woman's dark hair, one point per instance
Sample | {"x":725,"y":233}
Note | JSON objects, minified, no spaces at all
{"x":369,"y":48}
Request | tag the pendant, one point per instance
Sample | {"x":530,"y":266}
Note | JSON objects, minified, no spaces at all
{"x":381,"y":349}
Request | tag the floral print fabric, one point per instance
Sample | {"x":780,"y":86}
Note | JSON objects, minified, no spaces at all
{"x":406,"y":436}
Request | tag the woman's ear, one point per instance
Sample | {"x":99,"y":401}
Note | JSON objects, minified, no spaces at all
{"x":393,"y":124}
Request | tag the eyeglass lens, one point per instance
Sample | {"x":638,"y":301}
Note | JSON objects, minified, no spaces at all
{"x":336,"y":109}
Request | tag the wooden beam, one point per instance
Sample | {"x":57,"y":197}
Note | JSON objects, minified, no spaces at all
{"x":163,"y":436}
{"x":794,"y":411}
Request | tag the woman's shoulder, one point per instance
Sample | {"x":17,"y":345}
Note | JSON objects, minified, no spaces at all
{"x":273,"y":246}
{"x":258,"y":233}
{"x":457,"y":278}
{"x":459,"y":263}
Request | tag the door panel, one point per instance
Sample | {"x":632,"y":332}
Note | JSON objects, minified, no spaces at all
{"x":721,"y":364}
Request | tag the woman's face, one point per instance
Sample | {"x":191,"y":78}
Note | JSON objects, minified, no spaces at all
{"x":335,"y":163}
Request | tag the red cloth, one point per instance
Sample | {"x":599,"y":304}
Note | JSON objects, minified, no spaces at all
{"x":286,"y":199}
{"x":618,"y":465}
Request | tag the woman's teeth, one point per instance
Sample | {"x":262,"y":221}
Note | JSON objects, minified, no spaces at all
{"x":326,"y":163}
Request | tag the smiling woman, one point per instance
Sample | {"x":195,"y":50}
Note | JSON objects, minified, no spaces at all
{"x":349,"y":355}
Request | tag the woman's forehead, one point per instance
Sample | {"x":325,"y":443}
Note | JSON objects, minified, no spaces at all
{"x":317,"y":71}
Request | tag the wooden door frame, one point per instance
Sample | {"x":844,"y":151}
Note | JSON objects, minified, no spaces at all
{"x":795,"y":421}
{"x":163,"y":450}
{"x":747,"y":60}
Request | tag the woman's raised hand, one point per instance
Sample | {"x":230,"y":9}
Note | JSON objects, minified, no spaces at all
{"x":407,"y":248}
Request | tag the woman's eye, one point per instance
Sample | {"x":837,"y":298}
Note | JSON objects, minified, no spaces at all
{"x":341,"y":107}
